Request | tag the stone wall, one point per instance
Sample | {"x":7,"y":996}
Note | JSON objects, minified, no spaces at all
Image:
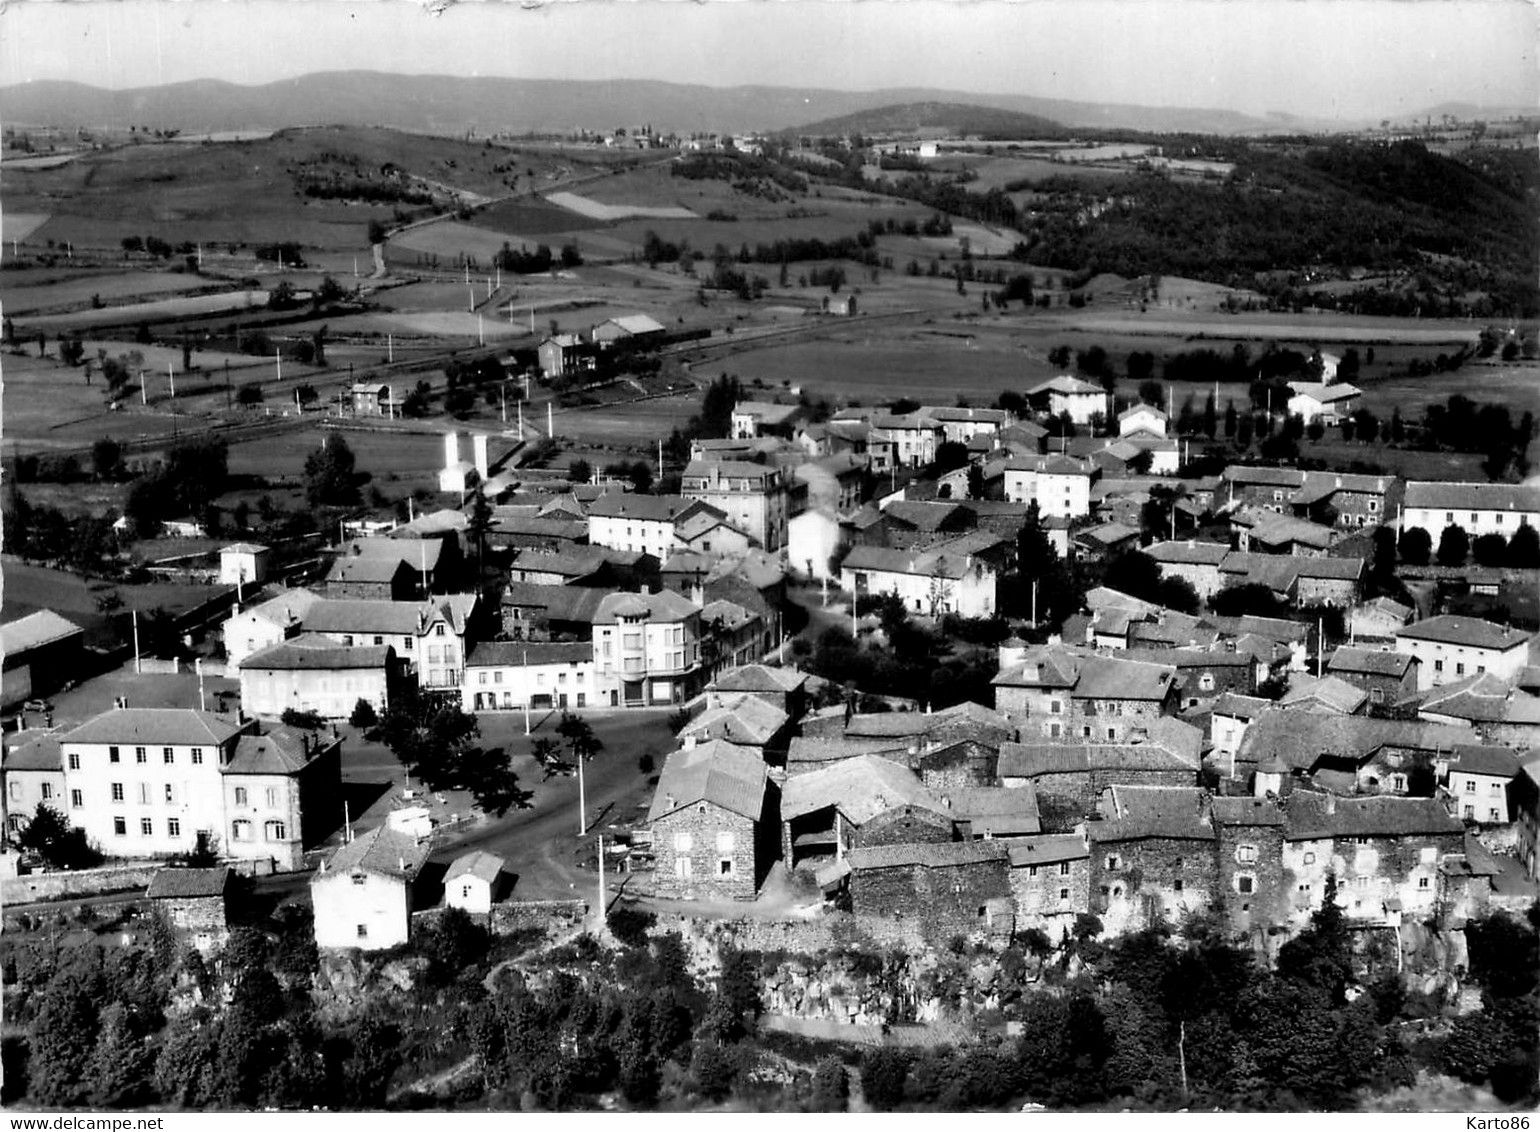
{"x":1085,"y":787}
{"x":1037,"y":889}
{"x":1153,"y":877}
{"x":1327,"y":591}
{"x":904,"y":825}
{"x":1101,"y":715}
{"x":946,"y":901}
{"x":960,"y":765}
{"x":89,"y":882}
{"x":553,"y":917}
{"x":1270,"y":900}
{"x":705,"y":880}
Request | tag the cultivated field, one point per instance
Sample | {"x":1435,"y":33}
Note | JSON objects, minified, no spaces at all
{"x":595,"y":210}
{"x":449,"y":239}
{"x":159,"y":310}
{"x":20,"y":225}
{"x":1327,"y":327}
{"x":26,"y":291}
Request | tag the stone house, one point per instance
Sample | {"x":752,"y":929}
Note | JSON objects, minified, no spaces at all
{"x":1082,"y":400}
{"x":1378,"y":620}
{"x":1269,"y":488}
{"x":1151,"y":856}
{"x":472,"y":881}
{"x":1195,"y":562}
{"x":33,"y":769}
{"x":283,"y":792}
{"x":1050,"y":880}
{"x":1350,"y":500}
{"x":910,"y":523}
{"x":956,"y":766}
{"x":990,"y":812}
{"x":783,"y":688}
{"x":1385,"y":853}
{"x":860,"y":801}
{"x":1487,"y":704}
{"x":1068,"y":694}
{"x":1525,"y":802}
{"x":195,"y":902}
{"x":746,"y":722}
{"x":1324,"y":694}
{"x":950,"y":888}
{"x":1069,"y":778}
{"x":1248,"y":859}
{"x":714,"y":818}
{"x":1387,"y":677}
{"x":950,"y":577}
{"x":365,"y":893}
{"x":1202,"y":673}
{"x":1328,"y":581}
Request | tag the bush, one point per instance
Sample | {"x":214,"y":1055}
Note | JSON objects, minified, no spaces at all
{"x":629,"y":925}
{"x":304,"y":720}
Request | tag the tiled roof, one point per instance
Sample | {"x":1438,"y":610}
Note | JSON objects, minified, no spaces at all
{"x":371,"y":569}
{"x":243,"y":548}
{"x":1244,"y":810}
{"x":1263,"y":477}
{"x":728,"y":469}
{"x":477,"y":863}
{"x":170,"y":726}
{"x":1134,"y":410}
{"x":34,"y":750}
{"x":1047,"y":849}
{"x":1449,"y":496}
{"x":315,"y":654}
{"x":1324,"y":393}
{"x":643,"y":508}
{"x":1301,"y":739}
{"x":747,"y":722}
{"x":1139,"y":812}
{"x":1501,"y":762}
{"x":1471,"y":632}
{"x":280,"y":751}
{"x":995,"y":810}
{"x":384,"y":851}
{"x":1330,"y":691}
{"x":34,"y":630}
{"x":1066,"y":384}
{"x":1323,"y":485}
{"x":963,"y":413}
{"x":1107,"y":678}
{"x":806,"y":752}
{"x":759,"y":678}
{"x":1314,"y":816}
{"x":1188,"y":553}
{"x":665,"y":605}
{"x":925,"y":516}
{"x":731,"y":777}
{"x":860,"y":788}
{"x":768,"y":412}
{"x":403,"y":618}
{"x":1031,"y":760}
{"x":188,"y":884}
{"x":1241,"y":707}
{"x":928,"y":854}
{"x":517,"y":654}
{"x":287,"y":608}
{"x":1370,"y":662}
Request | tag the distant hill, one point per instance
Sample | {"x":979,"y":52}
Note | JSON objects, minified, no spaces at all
{"x":931,"y":118}
{"x":453,"y":105}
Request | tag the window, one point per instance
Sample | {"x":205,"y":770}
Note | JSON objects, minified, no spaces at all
{"x":240,"y":830}
{"x":438,"y":630}
{"x":1032,"y":870}
{"x":1054,"y":730}
{"x":167,"y":755}
{"x":1085,"y":732}
{"x":1438,"y":666}
{"x":363,"y":931}
{"x":146,"y":827}
{"x":120,"y":827}
{"x":112,"y":756}
{"x":275,"y":831}
{"x":117,"y":791}
{"x":683,"y":842}
{"x":1112,"y":863}
{"x":1496,"y":788}
{"x":379,"y":640}
{"x":1398,"y":782}
{"x":359,"y":879}
{"x":1494,"y":815}
{"x":1176,"y":885}
{"x":497,"y":677}
{"x":74,"y":761}
{"x":406,"y":644}
{"x":1470,"y":785}
{"x":1064,"y":868}
{"x":725,"y":867}
{"x":1054,"y":707}
{"x":47,"y":791}
{"x":1459,"y":668}
{"x":1422,"y":882}
{"x":173,"y":827}
{"x":141,"y":755}
{"x":481,"y":677}
{"x":77,"y":800}
{"x":272,"y":797}
{"x":197,"y":756}
{"x":1245,"y":854}
{"x":1245,"y":883}
{"x":1467,"y":811}
{"x":240,"y":795}
{"x":170,"y":794}
{"x":1377,"y":695}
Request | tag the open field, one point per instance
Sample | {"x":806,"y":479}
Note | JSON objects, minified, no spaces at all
{"x":595,"y":210}
{"x":449,"y":239}
{"x":26,"y":291}
{"x":29,"y":587}
{"x":158,"y":310}
{"x":529,"y":218}
{"x":383,"y":454}
{"x":632,"y":424}
{"x":20,"y":225}
{"x":1323,"y":327}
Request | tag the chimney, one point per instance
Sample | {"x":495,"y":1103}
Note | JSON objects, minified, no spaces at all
{"x":451,"y":449}
{"x":479,"y":450}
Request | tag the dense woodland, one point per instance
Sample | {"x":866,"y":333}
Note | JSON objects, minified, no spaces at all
{"x":1159,"y":1020}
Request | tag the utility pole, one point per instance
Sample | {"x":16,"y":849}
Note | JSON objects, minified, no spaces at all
{"x":526,"y":692}
{"x":137,"y":668}
{"x":390,"y":348}
{"x":601,"y":881}
{"x":582,"y":799}
{"x":171,"y":374}
{"x":550,"y":425}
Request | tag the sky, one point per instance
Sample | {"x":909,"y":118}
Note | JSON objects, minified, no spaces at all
{"x":1326,"y":59}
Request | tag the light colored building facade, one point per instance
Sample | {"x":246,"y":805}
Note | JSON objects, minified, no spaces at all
{"x":312,"y":674}
{"x":754,"y":497}
{"x":1060,"y":485}
{"x":1451,"y":648}
{"x":512,"y":675}
{"x":1480,"y":508}
{"x":646,"y":649}
{"x":363,"y":895}
{"x":942,"y":579}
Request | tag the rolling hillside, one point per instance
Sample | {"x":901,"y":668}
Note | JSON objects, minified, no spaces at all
{"x":445,"y":104}
{"x":952,"y":119}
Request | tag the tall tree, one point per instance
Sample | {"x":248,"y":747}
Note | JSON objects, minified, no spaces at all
{"x":329,"y":474}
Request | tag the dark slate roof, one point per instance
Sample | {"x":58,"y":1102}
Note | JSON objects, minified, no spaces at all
{"x":813,"y":751}
{"x":996,"y":810}
{"x":1030,"y":760}
{"x":188,"y":884}
{"x":34,"y":750}
{"x":1315,"y":816}
{"x":385,"y":851}
{"x":1301,"y":739}
{"x":1472,"y":496}
{"x":1241,"y":707}
{"x":759,"y":678}
{"x":477,"y":863}
{"x":1139,"y":812}
{"x":643,"y":508}
{"x":860,"y":788}
{"x":929,"y":855}
{"x":1189,"y":553}
{"x":665,"y":605}
{"x":1245,"y":811}
{"x":1332,"y":692}
{"x":1469,"y":631}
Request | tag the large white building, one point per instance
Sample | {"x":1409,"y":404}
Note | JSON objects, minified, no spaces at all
{"x":753,"y":497}
{"x":646,"y":524}
{"x":512,"y":675}
{"x":1082,"y":400}
{"x":1480,"y":508}
{"x":1452,"y":648}
{"x":1331,"y":403}
{"x":949,"y":577}
{"x":1061,"y":485}
{"x":154,"y":782}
